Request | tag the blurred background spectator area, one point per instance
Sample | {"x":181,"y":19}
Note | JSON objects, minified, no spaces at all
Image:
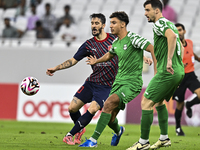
{"x":54,"y":15}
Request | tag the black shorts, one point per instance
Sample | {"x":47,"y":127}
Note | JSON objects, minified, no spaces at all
{"x":191,"y":82}
{"x":91,"y":91}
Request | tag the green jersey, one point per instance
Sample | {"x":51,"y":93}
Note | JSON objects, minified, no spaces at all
{"x":130,"y":57}
{"x":161,"y":45}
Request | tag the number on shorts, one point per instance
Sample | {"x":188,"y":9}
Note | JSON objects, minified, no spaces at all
{"x":81,"y":89}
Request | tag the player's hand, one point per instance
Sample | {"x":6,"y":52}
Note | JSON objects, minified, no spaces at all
{"x":50,"y":71}
{"x":169,"y":66}
{"x":148,"y":61}
{"x":91,"y":60}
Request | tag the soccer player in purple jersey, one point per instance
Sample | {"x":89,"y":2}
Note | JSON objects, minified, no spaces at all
{"x":97,"y":86}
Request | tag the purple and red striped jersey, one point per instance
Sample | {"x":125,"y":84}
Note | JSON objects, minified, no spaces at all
{"x":103,"y":73}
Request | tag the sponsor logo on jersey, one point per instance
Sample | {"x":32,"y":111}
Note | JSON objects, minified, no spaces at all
{"x":93,"y":49}
{"x":109,"y":47}
{"x":125,"y":47}
{"x":104,"y":64}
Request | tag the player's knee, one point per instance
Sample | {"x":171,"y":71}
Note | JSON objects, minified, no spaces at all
{"x":94,"y":107}
{"x":106,"y":108}
{"x":109,"y":107}
{"x":180,"y":105}
{"x":144,"y":105}
{"x":197,"y":91}
{"x":198,"y":95}
{"x":93,"y":110}
{"x":72,"y":109}
{"x":111,"y":120}
{"x":147,"y":104}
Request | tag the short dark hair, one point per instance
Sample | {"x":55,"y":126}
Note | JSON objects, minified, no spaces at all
{"x":48,"y":5}
{"x":121,"y":15}
{"x":154,"y":3}
{"x":6,"y":19}
{"x":100,"y":16}
{"x":180,"y":25}
{"x":33,"y":5}
{"x":38,"y":23}
{"x":67,"y":7}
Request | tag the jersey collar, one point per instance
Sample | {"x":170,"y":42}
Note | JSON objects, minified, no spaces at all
{"x":102,"y":40}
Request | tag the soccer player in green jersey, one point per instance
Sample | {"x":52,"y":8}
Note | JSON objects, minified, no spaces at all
{"x":170,"y":72}
{"x":128,"y":82}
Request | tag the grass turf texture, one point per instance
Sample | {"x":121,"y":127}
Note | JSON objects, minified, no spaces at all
{"x":15,"y":135}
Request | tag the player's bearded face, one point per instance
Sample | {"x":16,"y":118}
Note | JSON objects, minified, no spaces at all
{"x":96,"y":32}
{"x":150,"y":13}
{"x":181,"y":36}
{"x":181,"y":33}
{"x":151,"y":19}
{"x":96,"y":26}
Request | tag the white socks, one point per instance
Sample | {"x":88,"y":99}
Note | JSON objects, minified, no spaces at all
{"x":163,"y":137}
{"x":143,"y":141}
{"x":68,"y":134}
{"x":92,"y":139}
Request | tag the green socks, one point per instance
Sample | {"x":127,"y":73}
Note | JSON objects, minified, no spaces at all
{"x":146,"y":121}
{"x":101,"y":124}
{"x":163,"y":119}
{"x":115,"y":126}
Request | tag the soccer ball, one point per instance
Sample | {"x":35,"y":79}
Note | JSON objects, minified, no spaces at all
{"x":30,"y":86}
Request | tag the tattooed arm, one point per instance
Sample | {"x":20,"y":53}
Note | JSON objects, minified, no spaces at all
{"x":67,"y":64}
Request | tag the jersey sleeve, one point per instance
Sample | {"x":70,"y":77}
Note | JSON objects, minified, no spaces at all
{"x":160,"y":27}
{"x":139,"y":42}
{"x":81,"y":53}
{"x":111,"y":47}
{"x":112,"y":51}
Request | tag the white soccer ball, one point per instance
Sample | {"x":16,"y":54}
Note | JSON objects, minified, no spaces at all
{"x":30,"y":86}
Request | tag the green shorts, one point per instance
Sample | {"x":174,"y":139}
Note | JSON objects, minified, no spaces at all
{"x":126,"y":92}
{"x":163,"y":85}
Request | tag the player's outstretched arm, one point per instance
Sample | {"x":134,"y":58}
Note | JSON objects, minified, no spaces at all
{"x":93,"y":60}
{"x":68,"y":63}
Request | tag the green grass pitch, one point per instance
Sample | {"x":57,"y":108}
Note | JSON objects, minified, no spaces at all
{"x":16,"y":135}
